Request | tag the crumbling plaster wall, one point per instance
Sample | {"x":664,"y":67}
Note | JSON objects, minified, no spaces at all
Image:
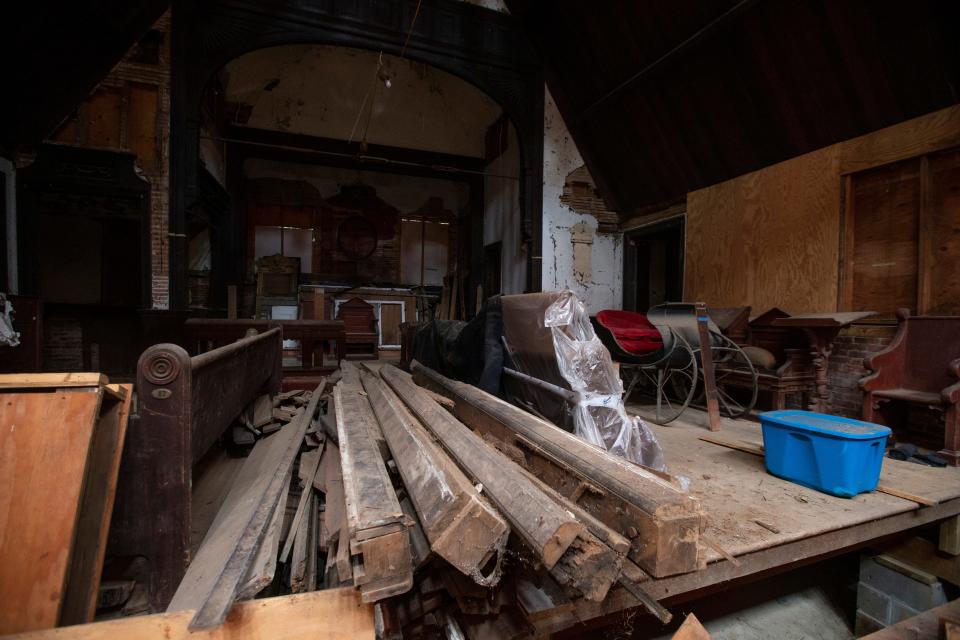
{"x":594,"y":271}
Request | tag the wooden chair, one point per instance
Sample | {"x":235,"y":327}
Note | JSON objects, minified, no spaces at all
{"x":277,"y":284}
{"x":920,"y":366}
{"x":360,"y":322}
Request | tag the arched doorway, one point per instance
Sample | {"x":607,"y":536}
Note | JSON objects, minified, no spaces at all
{"x":484,"y":48}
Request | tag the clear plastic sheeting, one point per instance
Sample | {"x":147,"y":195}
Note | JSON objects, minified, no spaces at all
{"x":549,"y":337}
{"x":8,"y":337}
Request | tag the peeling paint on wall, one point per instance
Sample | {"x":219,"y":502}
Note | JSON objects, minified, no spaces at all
{"x":593,"y":271}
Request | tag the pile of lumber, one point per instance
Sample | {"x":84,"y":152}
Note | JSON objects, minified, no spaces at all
{"x":455,"y":514}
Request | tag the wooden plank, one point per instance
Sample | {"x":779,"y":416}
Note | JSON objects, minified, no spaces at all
{"x":231,"y":302}
{"x":262,"y":411}
{"x":462,"y":527}
{"x":757,"y":449}
{"x":300,"y":540}
{"x":706,"y":363}
{"x":335,"y":506}
{"x":533,"y":515}
{"x":351,"y":376}
{"x":776,"y":559}
{"x":96,"y":507}
{"x":44,"y":446}
{"x":214,"y":577}
{"x":924,"y":555}
{"x":264,"y":566}
{"x":308,"y":469}
{"x":925,"y":626}
{"x":333,"y":614}
{"x":605,"y":548}
{"x":379,"y":542}
{"x":691,"y":629}
{"x":950,"y":536}
{"x":665,"y":520}
{"x":51,"y":380}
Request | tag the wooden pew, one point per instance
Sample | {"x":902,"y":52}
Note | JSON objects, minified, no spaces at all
{"x":203,"y":334}
{"x":185,"y":404}
{"x":920,"y":366}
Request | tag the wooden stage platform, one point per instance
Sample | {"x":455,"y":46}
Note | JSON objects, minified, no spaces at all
{"x":736,"y":492}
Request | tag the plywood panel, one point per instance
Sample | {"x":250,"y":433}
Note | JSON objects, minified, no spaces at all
{"x":944,"y":242}
{"x":769,"y":238}
{"x":331,"y":614}
{"x":926,"y":134}
{"x":43,"y":456}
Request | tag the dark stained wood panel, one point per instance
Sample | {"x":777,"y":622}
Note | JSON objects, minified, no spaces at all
{"x":885,"y":211}
{"x":944,"y":244}
{"x":666,"y":98}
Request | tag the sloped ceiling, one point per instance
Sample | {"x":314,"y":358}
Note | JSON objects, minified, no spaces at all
{"x":55,"y":53}
{"x":663,"y":98}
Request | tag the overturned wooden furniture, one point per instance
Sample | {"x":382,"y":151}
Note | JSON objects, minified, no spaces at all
{"x":60,"y":445}
{"x":461,"y":526}
{"x":920,"y":366}
{"x":278,"y":279}
{"x":186,"y":403}
{"x":362,"y":337}
{"x":376,"y":525}
{"x":662,"y":522}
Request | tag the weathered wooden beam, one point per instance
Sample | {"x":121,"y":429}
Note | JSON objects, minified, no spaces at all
{"x":554,"y":535}
{"x":217,"y":574}
{"x":350,"y":379}
{"x":378,"y":537}
{"x":662,"y":522}
{"x":461,"y":526}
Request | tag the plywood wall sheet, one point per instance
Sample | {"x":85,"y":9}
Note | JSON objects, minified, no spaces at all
{"x":767,"y":239}
{"x":909,"y":139}
{"x":44,"y":439}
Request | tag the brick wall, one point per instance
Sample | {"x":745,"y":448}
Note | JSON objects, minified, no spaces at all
{"x":918,"y":425}
{"x":130,"y":111}
{"x":846,"y":365}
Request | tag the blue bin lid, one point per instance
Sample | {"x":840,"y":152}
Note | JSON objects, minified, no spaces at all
{"x":826,"y":424}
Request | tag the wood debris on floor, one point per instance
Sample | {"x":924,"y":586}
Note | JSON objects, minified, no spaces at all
{"x":446,"y":526}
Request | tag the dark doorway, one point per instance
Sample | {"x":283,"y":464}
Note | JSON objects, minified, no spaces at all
{"x":653,"y":265}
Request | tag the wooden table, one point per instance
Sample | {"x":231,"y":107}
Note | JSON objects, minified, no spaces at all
{"x":736,"y":491}
{"x":821,"y":330}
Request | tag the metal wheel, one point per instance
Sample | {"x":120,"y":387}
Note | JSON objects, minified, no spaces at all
{"x":729,"y":360}
{"x":663,"y":391}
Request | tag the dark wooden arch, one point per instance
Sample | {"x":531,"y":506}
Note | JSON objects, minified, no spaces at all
{"x":483,"y":47}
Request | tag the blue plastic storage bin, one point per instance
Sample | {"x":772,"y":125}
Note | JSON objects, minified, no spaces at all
{"x":828,"y":453}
